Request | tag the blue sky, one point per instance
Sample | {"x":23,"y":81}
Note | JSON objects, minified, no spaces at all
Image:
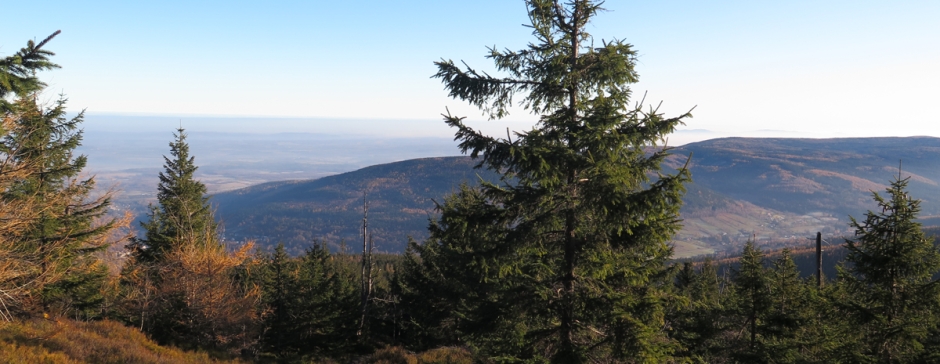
{"x":790,"y":68}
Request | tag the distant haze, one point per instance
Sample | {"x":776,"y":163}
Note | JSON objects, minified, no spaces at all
{"x":834,"y":68}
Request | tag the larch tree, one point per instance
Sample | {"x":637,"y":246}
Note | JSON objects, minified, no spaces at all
{"x":581,"y":220}
{"x":182,"y":285}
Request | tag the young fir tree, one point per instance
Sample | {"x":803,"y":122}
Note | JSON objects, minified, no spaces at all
{"x":700,"y":323}
{"x":752,"y":301}
{"x":893,"y":297}
{"x":789,"y":332}
{"x":183,"y":214}
{"x":584,"y":215}
{"x":64,"y":234}
{"x":445,"y":289}
{"x":311,"y":305}
{"x":278,"y":275}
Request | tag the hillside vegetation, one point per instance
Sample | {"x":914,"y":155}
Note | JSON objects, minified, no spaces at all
{"x":401,"y":200}
{"x":65,"y":341}
{"x":567,"y":258}
{"x":780,"y":190}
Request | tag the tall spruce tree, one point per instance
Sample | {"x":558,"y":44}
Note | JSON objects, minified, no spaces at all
{"x":893,"y":297}
{"x":53,"y":235}
{"x":182,"y":285}
{"x":582,"y":215}
{"x":183,"y":214}
{"x":64,"y":234}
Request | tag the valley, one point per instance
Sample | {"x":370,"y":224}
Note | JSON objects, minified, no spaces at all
{"x":778,"y":191}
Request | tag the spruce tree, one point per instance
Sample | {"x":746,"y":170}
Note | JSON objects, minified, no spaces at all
{"x":183,"y":214}
{"x":53,"y":236}
{"x":445,"y":289}
{"x":892,"y":296}
{"x":18,"y":72}
{"x":64,"y":234}
{"x":582,"y":215}
{"x":701,"y":322}
{"x":751,"y":301}
{"x":789,"y":330}
{"x":182,"y":287}
{"x":278,"y":277}
{"x":311,"y":304}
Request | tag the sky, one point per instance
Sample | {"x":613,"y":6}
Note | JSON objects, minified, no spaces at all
{"x":749,"y":68}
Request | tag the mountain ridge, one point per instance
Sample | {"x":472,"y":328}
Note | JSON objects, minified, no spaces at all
{"x":770,"y":189}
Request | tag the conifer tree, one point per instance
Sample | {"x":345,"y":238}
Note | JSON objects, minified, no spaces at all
{"x":752,"y":300}
{"x":701,"y":322}
{"x":52,"y":234}
{"x":789,"y":327}
{"x":892,"y":296}
{"x":18,"y":72}
{"x":182,"y":284}
{"x":183,"y":214}
{"x":64,"y":234}
{"x":582,"y":217}
{"x":278,"y":277}
{"x":311,"y":303}
{"x":445,"y":288}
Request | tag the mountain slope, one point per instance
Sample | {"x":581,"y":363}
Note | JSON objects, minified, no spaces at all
{"x":802,"y":176}
{"x":742,"y":187}
{"x":401,"y":200}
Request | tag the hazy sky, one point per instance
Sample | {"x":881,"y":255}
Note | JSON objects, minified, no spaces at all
{"x":810,"y":68}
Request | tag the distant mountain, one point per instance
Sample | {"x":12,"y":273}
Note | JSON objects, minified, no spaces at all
{"x":782,"y":188}
{"x":810,"y":175}
{"x":771,"y":189}
{"x":401,"y":199}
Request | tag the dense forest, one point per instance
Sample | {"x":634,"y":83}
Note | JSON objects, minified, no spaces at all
{"x":565,"y":258}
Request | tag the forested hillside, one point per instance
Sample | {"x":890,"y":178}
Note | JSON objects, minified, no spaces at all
{"x":777,"y":190}
{"x":561,"y":249}
{"x":400,"y":196}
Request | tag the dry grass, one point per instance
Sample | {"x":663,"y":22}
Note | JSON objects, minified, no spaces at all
{"x":44,"y":341}
{"x":398,"y":355}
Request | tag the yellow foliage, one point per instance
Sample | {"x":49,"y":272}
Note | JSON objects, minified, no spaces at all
{"x":195,"y":285}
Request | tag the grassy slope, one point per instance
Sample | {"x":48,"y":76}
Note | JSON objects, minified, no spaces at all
{"x":65,"y":341}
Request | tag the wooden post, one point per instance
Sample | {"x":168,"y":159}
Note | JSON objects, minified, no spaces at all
{"x":364,"y":282}
{"x":819,"y":260}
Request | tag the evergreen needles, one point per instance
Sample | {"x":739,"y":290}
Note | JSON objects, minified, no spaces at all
{"x":568,"y":254}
